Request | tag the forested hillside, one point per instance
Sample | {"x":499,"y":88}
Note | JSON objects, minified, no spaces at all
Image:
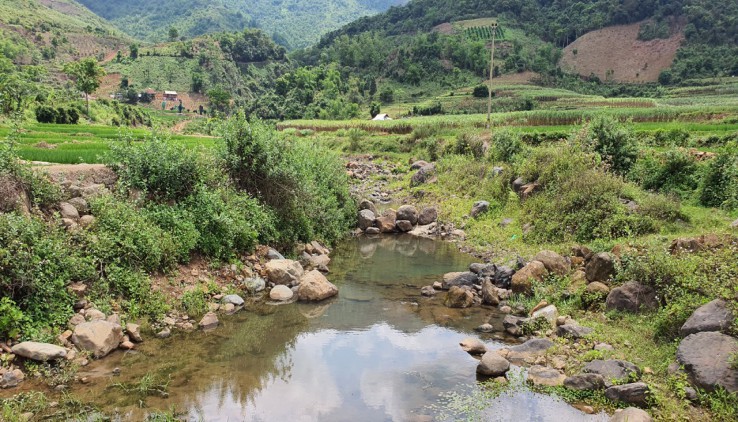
{"x":370,"y":43}
{"x":293,"y":23}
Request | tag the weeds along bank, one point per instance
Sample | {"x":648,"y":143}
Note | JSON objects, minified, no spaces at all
{"x":616,"y":212}
{"x":161,"y":206}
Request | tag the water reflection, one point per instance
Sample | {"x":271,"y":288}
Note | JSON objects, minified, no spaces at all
{"x":379,"y":352}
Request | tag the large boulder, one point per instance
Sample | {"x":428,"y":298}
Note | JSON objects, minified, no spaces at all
{"x":42,"y":352}
{"x":631,"y":414}
{"x":522,"y":281}
{"x":585,"y":382}
{"x":408,"y":213}
{"x":631,"y":297}
{"x":68,"y":210}
{"x":479,"y":208}
{"x":714,"y":316}
{"x":254,"y":285}
{"x":459,"y":297}
{"x":366,"y":204}
{"x":493,"y":365}
{"x":366,"y":219}
{"x":613,"y":371}
{"x":489,"y":293}
{"x":706,"y":358}
{"x":284,"y":271}
{"x":636,"y":393}
{"x":98,"y":337}
{"x":459,"y":279}
{"x":550,"y":313}
{"x":387,"y":222}
{"x":404,"y":226}
{"x":532,"y":348}
{"x":427,"y":216}
{"x":554,"y":262}
{"x":314,"y":287}
{"x":543,"y":376}
{"x":601,"y":267}
{"x":424,"y":175}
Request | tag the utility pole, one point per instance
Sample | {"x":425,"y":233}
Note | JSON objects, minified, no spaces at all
{"x":491,"y":75}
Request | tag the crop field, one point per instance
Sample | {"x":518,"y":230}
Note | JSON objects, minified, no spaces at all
{"x":75,"y":144}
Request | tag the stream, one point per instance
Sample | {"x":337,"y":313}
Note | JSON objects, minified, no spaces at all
{"x":378,"y":352}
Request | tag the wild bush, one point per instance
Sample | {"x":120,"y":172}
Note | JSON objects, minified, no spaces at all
{"x":613,"y":141}
{"x":671,"y":172}
{"x":36,"y":264}
{"x":124,"y":236}
{"x":12,"y":319}
{"x":131,"y":290}
{"x":506,"y":145}
{"x":161,"y":169}
{"x":719,"y":186}
{"x":577,"y":199}
{"x":458,"y":173}
{"x":179,"y":222}
{"x":469,"y":144}
{"x":304,"y":184}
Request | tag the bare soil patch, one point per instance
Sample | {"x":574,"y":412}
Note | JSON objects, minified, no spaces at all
{"x":615,"y":53}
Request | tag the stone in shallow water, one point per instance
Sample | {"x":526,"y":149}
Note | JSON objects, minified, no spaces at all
{"x":209,"y":321}
{"x":493,"y":365}
{"x":281,"y":293}
{"x":541,"y":375}
{"x":473,"y":346}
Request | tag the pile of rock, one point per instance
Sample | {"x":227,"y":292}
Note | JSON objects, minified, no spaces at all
{"x":289,"y":281}
{"x":405,"y":219}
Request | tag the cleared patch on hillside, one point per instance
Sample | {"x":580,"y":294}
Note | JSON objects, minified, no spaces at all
{"x":615,"y":53}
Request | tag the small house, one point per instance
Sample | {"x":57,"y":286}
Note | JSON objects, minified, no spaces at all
{"x":170,"y":95}
{"x":382,"y":117}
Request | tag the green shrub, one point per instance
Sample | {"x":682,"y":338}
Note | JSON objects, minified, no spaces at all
{"x":195,"y":301}
{"x":481,"y":91}
{"x":178,"y":221}
{"x":469,"y":144}
{"x":133,"y":289}
{"x":46,"y":114}
{"x":124,"y":236}
{"x":11,"y":319}
{"x":719,"y":187}
{"x":303,"y":183}
{"x":159,"y":168}
{"x":672,"y":172}
{"x":36,"y":264}
{"x":506,"y":145}
{"x":613,"y":141}
{"x":661,"y":208}
{"x":228,"y":222}
{"x":37,"y":186}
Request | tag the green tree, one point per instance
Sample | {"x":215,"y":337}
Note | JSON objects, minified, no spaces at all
{"x":134,"y":51}
{"x":220,"y":99}
{"x":375,"y":109}
{"x":173,"y":34}
{"x":86,"y":74}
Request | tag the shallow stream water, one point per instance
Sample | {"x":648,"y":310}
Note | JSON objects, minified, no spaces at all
{"x":378,"y":352}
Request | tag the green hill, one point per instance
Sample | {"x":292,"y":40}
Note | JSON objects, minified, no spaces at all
{"x":294,"y":23}
{"x":36,"y":31}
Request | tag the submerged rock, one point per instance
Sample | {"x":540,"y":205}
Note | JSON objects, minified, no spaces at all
{"x":459,"y":297}
{"x":473,"y":346}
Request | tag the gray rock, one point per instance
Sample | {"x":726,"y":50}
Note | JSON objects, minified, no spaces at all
{"x":80,"y":204}
{"x":366,"y":204}
{"x":423,"y":175}
{"x":514,"y":325}
{"x":409,"y":213}
{"x":543,"y":376}
{"x":236,"y":300}
{"x":714,"y":316}
{"x":479,"y":208}
{"x":502,"y":276}
{"x":631,"y":414}
{"x":573,"y":331}
{"x":366,"y":219}
{"x":631,"y":297}
{"x":489,"y":293}
{"x":493,"y":365}
{"x":373,"y":230}
{"x":517,"y":184}
{"x":603,"y":347}
{"x":613,"y":370}
{"x":67,"y":210}
{"x":134,"y":332}
{"x":549,"y":313}
{"x":281,"y":293}
{"x":485,"y":328}
{"x":209,"y":321}
{"x":165,"y":333}
{"x":284,"y":271}
{"x":585,"y":382}
{"x":42,"y":352}
{"x":601,"y":267}
{"x":94,"y":315}
{"x":273,"y":254}
{"x":460,"y":279}
{"x":11,"y":379}
{"x":314,"y":287}
{"x":636,"y":393}
{"x":404,"y":226}
{"x":427,"y":216}
{"x":473,"y":346}
{"x":706,"y":359}
{"x":554,"y":262}
{"x":530,"y":349}
{"x":459,"y":297}
{"x":98,"y":337}
{"x":428,"y":291}
{"x":254,"y":285}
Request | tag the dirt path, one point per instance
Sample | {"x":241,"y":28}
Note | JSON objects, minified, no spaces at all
{"x":179,"y":127}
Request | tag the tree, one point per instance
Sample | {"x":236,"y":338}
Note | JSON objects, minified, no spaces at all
{"x":220,"y":99}
{"x":173,"y":34}
{"x":134,"y":51}
{"x":375,"y":109}
{"x":86,"y":74}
